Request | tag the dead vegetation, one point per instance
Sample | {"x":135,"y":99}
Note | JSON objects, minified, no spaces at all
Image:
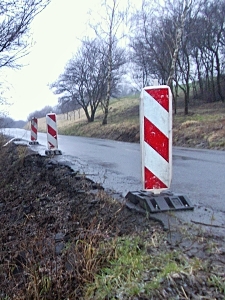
{"x":203,"y":127}
{"x":63,"y":237}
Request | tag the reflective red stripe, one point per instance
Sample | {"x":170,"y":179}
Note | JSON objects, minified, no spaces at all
{"x":161,"y":96}
{"x":51,"y":145}
{"x":53,"y":117}
{"x":34,"y":129}
{"x":156,"y":139}
{"x":52,"y":131}
{"x":152,"y":182}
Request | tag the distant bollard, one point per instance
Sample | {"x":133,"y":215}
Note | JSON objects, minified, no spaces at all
{"x":52,"y":135}
{"x":156,"y":137}
{"x":34,"y":128}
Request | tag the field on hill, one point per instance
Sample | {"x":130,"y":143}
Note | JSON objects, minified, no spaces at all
{"x":203,"y":127}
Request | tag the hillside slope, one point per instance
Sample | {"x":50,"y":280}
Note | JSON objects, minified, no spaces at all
{"x":203,"y":127}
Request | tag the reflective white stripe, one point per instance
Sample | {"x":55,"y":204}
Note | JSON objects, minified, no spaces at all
{"x":50,"y":122}
{"x":155,"y":113}
{"x":34,"y":124}
{"x":34,"y":135}
{"x":52,"y":140}
{"x":156,"y":164}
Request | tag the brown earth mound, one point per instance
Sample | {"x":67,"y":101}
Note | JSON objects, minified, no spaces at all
{"x":53,"y":220}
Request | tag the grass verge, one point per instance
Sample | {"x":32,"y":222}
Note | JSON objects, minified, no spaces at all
{"x":133,"y":272}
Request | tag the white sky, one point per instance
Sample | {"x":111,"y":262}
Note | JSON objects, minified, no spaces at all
{"x":56,"y":32}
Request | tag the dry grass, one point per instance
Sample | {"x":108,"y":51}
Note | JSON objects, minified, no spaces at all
{"x":204,"y":127}
{"x":117,"y":107}
{"x":123,"y":122}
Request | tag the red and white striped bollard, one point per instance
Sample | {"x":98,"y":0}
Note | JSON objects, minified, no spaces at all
{"x":156,"y":138}
{"x":156,"y":150}
{"x":52,"y":135}
{"x":34,"y":128}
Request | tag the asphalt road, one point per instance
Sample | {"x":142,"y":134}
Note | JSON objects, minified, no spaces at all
{"x":197,"y":173}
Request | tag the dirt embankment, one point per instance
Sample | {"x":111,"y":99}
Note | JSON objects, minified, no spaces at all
{"x":46,"y":211}
{"x":59,"y":231}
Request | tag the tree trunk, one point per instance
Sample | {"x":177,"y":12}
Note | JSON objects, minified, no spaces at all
{"x":178,"y":38}
{"x":218,"y":77}
{"x":186,"y":100}
{"x":194,"y":89}
{"x":200,"y":82}
{"x":185,"y":105}
{"x":111,"y":36}
{"x":212,"y":80}
{"x":174,"y":93}
{"x":93,"y":111}
{"x":207,"y":85}
{"x":106,"y":112}
{"x":106,"y":104}
{"x":87,"y":115}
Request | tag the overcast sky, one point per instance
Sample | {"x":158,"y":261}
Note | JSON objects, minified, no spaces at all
{"x":56,"y":33}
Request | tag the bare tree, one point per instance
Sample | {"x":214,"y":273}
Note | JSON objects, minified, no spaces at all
{"x":85,"y":78}
{"x":207,"y":51}
{"x":214,"y":13}
{"x":40,"y":113}
{"x":151,"y":42}
{"x":141,"y":69}
{"x":179,"y":20}
{"x":182,"y":43}
{"x":185,"y":68}
{"x":15,"y":20}
{"x":110,"y":31}
{"x":161,"y":34}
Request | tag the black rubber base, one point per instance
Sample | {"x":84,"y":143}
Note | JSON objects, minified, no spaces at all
{"x":53,"y":152}
{"x":154,"y":203}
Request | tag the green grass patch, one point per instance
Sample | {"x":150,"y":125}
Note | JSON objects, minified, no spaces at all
{"x":134,"y":270}
{"x":217,"y":282}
